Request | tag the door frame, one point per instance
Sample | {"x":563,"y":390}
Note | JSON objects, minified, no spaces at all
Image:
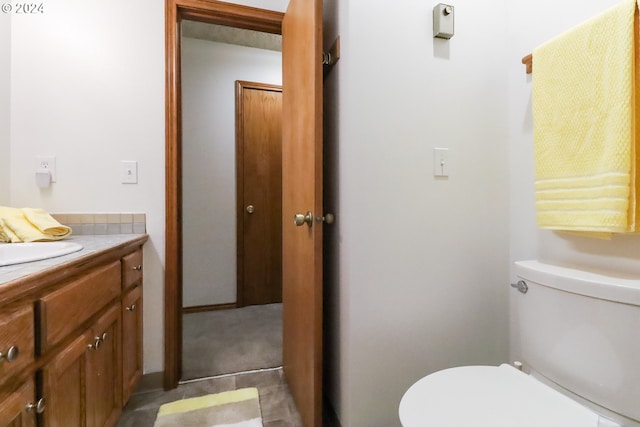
{"x":213,"y":12}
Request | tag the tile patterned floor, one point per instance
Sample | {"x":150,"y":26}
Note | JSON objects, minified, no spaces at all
{"x":276,"y":403}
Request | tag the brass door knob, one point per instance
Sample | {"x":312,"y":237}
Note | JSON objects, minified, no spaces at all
{"x":327,"y":218}
{"x":300,"y":219}
{"x":250,"y":209}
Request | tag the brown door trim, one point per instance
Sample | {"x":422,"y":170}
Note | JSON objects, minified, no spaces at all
{"x":175,"y":11}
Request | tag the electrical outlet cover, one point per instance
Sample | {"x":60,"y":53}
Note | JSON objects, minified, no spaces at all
{"x":49,"y":163}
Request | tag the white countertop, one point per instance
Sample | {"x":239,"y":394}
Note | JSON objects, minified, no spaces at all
{"x":90,"y":245}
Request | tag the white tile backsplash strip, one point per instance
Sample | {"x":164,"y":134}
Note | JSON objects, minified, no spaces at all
{"x":85,"y":224}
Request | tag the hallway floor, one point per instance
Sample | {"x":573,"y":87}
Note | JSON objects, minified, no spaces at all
{"x":234,"y":340}
{"x":276,"y":403}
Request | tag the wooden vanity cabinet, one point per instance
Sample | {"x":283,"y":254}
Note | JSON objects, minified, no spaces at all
{"x":79,"y":336}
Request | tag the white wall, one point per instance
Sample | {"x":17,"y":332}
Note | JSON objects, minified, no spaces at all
{"x":420,"y":279}
{"x":5,"y":89}
{"x":619,"y":255}
{"x":88,"y":86}
{"x":208,"y":151}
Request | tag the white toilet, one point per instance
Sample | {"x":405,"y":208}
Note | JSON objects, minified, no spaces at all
{"x":578,"y":340}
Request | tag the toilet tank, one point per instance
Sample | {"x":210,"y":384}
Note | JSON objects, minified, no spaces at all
{"x":581,"y":331}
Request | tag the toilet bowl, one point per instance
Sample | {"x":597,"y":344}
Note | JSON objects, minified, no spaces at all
{"x":577,"y":337}
{"x":497,"y":396}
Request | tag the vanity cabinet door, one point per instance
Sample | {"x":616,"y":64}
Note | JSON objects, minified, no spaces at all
{"x":104,"y":372}
{"x":82,"y":384}
{"x":18,"y":408}
{"x":131,"y":341}
{"x":63,"y":387}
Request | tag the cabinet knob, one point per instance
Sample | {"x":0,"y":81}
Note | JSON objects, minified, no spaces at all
{"x":96,"y":343}
{"x":132,"y":307}
{"x":10,"y":355}
{"x":137,"y":267}
{"x":38,"y":407}
{"x":104,"y":336}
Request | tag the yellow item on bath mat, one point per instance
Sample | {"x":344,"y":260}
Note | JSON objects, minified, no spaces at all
{"x":30,"y":225}
{"x":236,"y":408}
{"x":584,"y":114}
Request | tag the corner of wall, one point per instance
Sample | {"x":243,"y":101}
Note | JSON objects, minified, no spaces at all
{"x":5,"y":105}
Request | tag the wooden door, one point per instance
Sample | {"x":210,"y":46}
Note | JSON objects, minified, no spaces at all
{"x":259,"y":192}
{"x":302,"y":193}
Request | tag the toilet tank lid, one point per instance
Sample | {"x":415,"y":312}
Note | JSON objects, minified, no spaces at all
{"x":597,"y":285}
{"x":489,"y":396}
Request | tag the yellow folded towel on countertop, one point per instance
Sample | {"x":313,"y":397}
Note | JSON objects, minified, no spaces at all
{"x":29,"y":225}
{"x":6,"y":235}
{"x":585,"y":113}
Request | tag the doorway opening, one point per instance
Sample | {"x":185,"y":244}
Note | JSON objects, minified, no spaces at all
{"x":232,"y":204}
{"x":220,"y":13}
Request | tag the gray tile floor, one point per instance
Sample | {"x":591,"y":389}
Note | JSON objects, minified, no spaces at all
{"x":276,"y":403}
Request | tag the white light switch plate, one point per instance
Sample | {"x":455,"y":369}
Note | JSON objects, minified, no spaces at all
{"x":440,"y":162}
{"x":129,"y":172}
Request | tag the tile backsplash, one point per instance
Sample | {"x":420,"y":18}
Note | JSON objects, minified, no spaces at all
{"x":84,"y":224}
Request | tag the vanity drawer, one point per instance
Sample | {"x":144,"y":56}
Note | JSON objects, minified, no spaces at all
{"x":16,"y":340}
{"x":64,"y":310}
{"x":131,"y":269}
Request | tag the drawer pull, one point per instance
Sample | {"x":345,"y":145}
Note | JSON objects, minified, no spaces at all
{"x":104,"y":336}
{"x":38,"y":407}
{"x":11,"y":355}
{"x":137,"y":267}
{"x":132,"y":307}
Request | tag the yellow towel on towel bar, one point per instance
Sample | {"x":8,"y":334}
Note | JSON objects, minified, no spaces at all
{"x":584,"y":114}
{"x":30,"y":225}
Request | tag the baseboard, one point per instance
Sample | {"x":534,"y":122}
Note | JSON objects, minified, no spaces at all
{"x":211,"y":307}
{"x":150,"y":382}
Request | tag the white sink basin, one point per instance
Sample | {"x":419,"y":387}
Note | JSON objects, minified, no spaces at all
{"x":16,"y":253}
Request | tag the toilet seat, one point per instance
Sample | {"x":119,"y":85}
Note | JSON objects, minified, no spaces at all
{"x":496,"y":396}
